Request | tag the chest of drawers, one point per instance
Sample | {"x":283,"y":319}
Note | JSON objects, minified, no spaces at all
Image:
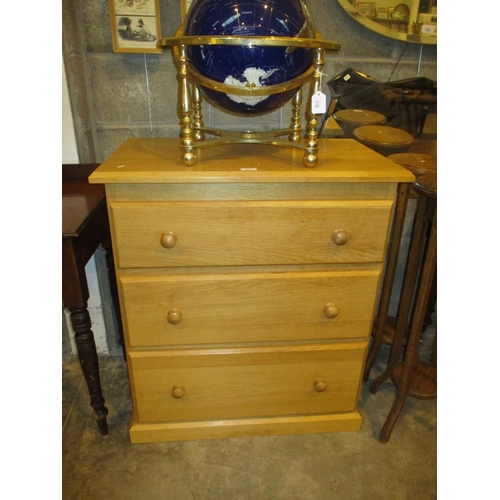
{"x":247,"y":284}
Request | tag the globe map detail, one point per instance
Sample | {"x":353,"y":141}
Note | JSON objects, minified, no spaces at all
{"x":251,"y":67}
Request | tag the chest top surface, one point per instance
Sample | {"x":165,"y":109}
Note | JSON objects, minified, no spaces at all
{"x":151,"y":161}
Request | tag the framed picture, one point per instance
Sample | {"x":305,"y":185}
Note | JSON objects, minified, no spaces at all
{"x":135,"y":25}
{"x":367,"y":9}
{"x":185,"y":4}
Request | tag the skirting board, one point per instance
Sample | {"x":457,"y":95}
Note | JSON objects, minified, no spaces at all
{"x":219,"y":429}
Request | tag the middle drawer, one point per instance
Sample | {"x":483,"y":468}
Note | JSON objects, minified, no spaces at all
{"x":260,"y":307}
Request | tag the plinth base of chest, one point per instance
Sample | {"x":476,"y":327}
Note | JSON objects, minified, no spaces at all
{"x":220,"y":429}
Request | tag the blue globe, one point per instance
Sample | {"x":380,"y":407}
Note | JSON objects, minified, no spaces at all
{"x":245,"y":66}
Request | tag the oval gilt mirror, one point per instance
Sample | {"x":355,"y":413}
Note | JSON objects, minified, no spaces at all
{"x":413,"y":21}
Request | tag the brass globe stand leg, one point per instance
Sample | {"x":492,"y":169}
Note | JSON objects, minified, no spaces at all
{"x":295,"y":136}
{"x":311,"y":157}
{"x":197,"y":118}
{"x":187,"y":139}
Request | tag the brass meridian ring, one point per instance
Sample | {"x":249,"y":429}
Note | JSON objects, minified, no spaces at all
{"x":250,"y":41}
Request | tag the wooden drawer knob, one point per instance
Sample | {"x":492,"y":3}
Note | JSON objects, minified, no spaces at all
{"x":320,"y":385}
{"x":340,"y":237}
{"x":331,"y":311}
{"x":178,"y":391}
{"x":174,"y":316}
{"x":168,"y":239}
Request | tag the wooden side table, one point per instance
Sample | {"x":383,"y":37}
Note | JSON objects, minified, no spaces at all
{"x":414,"y":377}
{"x":417,"y":163}
{"x":385,"y":325}
{"x":350,"y":119}
{"x":84,"y":227}
{"x":383,"y":139}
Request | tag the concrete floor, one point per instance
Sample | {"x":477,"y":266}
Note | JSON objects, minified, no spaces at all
{"x":344,"y":466}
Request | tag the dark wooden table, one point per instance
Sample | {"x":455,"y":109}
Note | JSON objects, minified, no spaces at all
{"x":412,"y":377}
{"x":84,"y":227}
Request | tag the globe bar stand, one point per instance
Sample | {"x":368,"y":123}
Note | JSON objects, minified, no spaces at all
{"x":193,"y":132}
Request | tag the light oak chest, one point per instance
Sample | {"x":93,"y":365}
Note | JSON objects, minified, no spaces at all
{"x":247,"y":284}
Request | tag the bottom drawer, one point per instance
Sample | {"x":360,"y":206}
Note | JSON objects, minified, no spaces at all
{"x":201,"y":384}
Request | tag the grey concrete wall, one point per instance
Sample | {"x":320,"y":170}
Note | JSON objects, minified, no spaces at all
{"x":115,"y":96}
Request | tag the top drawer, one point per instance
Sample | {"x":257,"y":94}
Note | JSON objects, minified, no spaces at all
{"x":183,"y":233}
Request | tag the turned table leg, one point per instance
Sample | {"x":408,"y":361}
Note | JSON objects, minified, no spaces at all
{"x":390,"y":272}
{"x":110,"y":262}
{"x":85,"y":343}
{"x":409,"y":283}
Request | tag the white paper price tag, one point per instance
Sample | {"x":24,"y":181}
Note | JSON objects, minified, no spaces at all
{"x":318,"y":103}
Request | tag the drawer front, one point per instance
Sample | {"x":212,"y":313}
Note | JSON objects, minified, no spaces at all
{"x":236,"y":383}
{"x":249,"y":233}
{"x":205,"y":309}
